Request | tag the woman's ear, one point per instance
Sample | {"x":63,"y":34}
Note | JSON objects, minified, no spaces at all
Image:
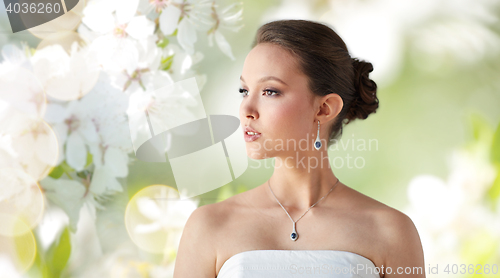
{"x":329,"y":107}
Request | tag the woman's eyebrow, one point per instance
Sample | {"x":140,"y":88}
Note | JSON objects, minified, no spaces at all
{"x":265,"y":78}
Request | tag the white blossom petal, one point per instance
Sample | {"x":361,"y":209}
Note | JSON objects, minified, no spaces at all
{"x":223,"y":44}
{"x":55,"y":113}
{"x":233,"y":18}
{"x":149,"y":54}
{"x":84,"y":69}
{"x":115,"y":54}
{"x":22,"y":91}
{"x":186,"y":35}
{"x":61,"y":131}
{"x":88,"y":131}
{"x":96,"y":151}
{"x":140,"y":27}
{"x":169,"y":18}
{"x":187,"y":62}
{"x":100,"y":21}
{"x":126,"y":10}
{"x":65,"y":77}
{"x":76,"y":153}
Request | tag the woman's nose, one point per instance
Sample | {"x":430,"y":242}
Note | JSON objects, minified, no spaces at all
{"x":249,"y":108}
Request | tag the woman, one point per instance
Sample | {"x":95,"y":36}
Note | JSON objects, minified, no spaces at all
{"x":300,"y":85}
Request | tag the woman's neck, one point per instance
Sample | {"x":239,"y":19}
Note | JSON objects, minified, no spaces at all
{"x":300,"y":182}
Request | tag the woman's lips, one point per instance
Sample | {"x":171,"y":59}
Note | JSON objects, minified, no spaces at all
{"x":254,"y":135}
{"x":250,"y":138}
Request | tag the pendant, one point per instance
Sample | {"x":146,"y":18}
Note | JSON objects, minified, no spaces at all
{"x":294,"y":235}
{"x":317,"y":143}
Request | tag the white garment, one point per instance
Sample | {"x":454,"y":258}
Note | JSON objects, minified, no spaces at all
{"x":298,"y":263}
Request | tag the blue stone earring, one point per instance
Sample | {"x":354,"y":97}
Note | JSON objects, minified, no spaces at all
{"x":317,"y":143}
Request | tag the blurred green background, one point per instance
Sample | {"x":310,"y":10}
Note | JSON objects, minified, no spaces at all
{"x":437,"y":67}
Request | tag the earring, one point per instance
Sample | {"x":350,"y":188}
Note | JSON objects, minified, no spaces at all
{"x":317,"y":143}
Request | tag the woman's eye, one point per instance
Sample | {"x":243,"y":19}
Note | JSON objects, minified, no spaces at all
{"x":243,"y":92}
{"x":270,"y":92}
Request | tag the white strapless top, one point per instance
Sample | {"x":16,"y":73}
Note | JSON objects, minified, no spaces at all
{"x":298,"y":263}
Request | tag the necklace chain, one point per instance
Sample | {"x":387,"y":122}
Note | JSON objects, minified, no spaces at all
{"x":331,"y":189}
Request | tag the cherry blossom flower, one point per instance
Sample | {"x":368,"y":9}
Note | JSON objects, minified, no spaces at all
{"x":144,"y":75}
{"x":65,"y":76}
{"x":228,"y":19}
{"x":119,"y":30}
{"x":31,"y":143}
{"x":16,"y":75}
{"x":189,"y":16}
{"x":75,"y":112}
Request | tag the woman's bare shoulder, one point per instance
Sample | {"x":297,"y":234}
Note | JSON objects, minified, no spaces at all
{"x":196,"y":247}
{"x":200,"y":237}
{"x":386,"y":222}
{"x":403,"y":246}
{"x":394,"y":229}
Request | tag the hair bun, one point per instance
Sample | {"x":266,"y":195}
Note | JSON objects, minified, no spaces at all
{"x":366,"y":101}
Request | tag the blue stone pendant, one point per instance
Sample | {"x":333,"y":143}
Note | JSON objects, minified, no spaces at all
{"x":317,"y":143}
{"x":294,"y":235}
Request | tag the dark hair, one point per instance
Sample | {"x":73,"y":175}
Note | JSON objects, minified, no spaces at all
{"x":324,"y":58}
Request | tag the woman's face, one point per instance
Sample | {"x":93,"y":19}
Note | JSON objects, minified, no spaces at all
{"x":281,"y":111}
